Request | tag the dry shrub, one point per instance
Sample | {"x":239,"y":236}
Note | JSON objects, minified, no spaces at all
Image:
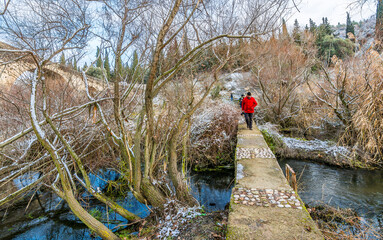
{"x":213,"y":134}
{"x":352,"y":91}
{"x":279,"y":68}
{"x":336,"y":223}
{"x":368,"y":118}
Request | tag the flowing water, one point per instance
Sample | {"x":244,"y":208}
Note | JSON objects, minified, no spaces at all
{"x":360,"y":190}
{"x":345,"y":188}
{"x":211,"y":189}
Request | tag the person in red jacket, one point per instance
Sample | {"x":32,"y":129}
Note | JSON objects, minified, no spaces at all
{"x":248,"y":105}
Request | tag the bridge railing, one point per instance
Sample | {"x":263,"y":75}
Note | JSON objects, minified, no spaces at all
{"x":291,"y":177}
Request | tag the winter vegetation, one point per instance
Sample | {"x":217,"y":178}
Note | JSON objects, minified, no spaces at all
{"x":161,"y":113}
{"x":159,"y":60}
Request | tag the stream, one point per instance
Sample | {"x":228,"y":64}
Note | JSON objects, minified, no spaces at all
{"x":211,"y":189}
{"x":360,"y":190}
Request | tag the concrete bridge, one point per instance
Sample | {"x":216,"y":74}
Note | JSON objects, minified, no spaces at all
{"x":263,"y":205}
{"x":14,"y":65}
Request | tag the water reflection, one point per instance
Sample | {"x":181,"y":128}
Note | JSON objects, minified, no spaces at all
{"x":360,"y":190}
{"x":211,"y":189}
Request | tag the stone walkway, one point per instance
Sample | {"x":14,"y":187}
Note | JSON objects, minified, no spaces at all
{"x":263,"y":205}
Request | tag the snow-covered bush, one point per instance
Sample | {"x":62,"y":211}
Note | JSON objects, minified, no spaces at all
{"x":213,"y":134}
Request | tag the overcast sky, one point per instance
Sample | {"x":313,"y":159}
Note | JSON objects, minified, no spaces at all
{"x":334,"y":10}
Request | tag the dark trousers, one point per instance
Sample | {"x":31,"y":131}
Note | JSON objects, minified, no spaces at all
{"x":249,"y":120}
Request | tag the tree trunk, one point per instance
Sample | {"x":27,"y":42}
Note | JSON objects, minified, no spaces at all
{"x":182,"y":189}
{"x":92,"y":223}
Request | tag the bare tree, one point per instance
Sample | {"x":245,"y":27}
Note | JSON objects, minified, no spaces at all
{"x":130,"y":114}
{"x":5,"y":6}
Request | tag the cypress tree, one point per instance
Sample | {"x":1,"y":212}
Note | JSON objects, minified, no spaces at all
{"x":285,"y":33}
{"x":62,"y":59}
{"x":326,"y":27}
{"x":106,"y":65}
{"x":296,"y":32}
{"x":135,"y":61}
{"x":379,"y":21}
{"x":349,"y":25}
{"x":75,"y":63}
{"x":186,"y":44}
{"x":313,"y":26}
{"x":98,"y":57}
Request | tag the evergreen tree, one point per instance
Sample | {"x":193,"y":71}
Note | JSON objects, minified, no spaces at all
{"x":379,"y":21}
{"x":186,"y":44}
{"x":133,"y":69}
{"x":326,"y":27}
{"x":285,"y":33}
{"x":296,"y":32}
{"x":106,"y":65}
{"x":62,"y":59}
{"x":98,"y":56}
{"x":313,"y":26}
{"x":75,"y":63}
{"x":349,"y":25}
{"x":135,"y":61}
{"x":85,"y":66}
{"x":120,"y":70}
{"x":307,"y":28}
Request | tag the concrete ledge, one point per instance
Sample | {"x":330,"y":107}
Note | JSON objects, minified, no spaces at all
{"x":268,"y":215}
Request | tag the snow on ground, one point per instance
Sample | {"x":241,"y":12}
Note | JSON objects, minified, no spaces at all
{"x":307,"y":145}
{"x":175,"y":217}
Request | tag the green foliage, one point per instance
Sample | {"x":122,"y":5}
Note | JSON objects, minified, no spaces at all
{"x":327,"y":44}
{"x":349,"y":25}
{"x":134,"y":70}
{"x":62,"y":59}
{"x":269,"y":140}
{"x":85,"y":66}
{"x":97,"y":214}
{"x":107,"y":65}
{"x":75,"y":64}
{"x":96,"y":72}
{"x":379,"y":21}
{"x":330,"y":45}
{"x":313,"y":26}
{"x":98,"y":56}
{"x":297,"y":32}
{"x":215,"y":92}
{"x":126,"y":234}
{"x":379,"y":12}
{"x":325,"y":28}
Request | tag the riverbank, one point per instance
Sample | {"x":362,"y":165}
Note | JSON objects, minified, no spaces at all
{"x":353,"y":195}
{"x":55,"y":221}
{"x":324,"y":151}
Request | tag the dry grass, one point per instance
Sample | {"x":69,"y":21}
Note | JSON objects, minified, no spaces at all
{"x":337,"y":224}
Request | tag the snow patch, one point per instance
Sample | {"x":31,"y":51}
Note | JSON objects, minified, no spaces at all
{"x":175,"y":216}
{"x":240,"y":173}
{"x":327,"y":147}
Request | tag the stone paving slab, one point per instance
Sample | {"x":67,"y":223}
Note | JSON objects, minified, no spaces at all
{"x":260,"y":173}
{"x":269,"y":223}
{"x":251,"y":141}
{"x":263,"y":205}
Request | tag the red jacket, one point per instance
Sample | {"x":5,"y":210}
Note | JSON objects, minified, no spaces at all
{"x":248,"y":105}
